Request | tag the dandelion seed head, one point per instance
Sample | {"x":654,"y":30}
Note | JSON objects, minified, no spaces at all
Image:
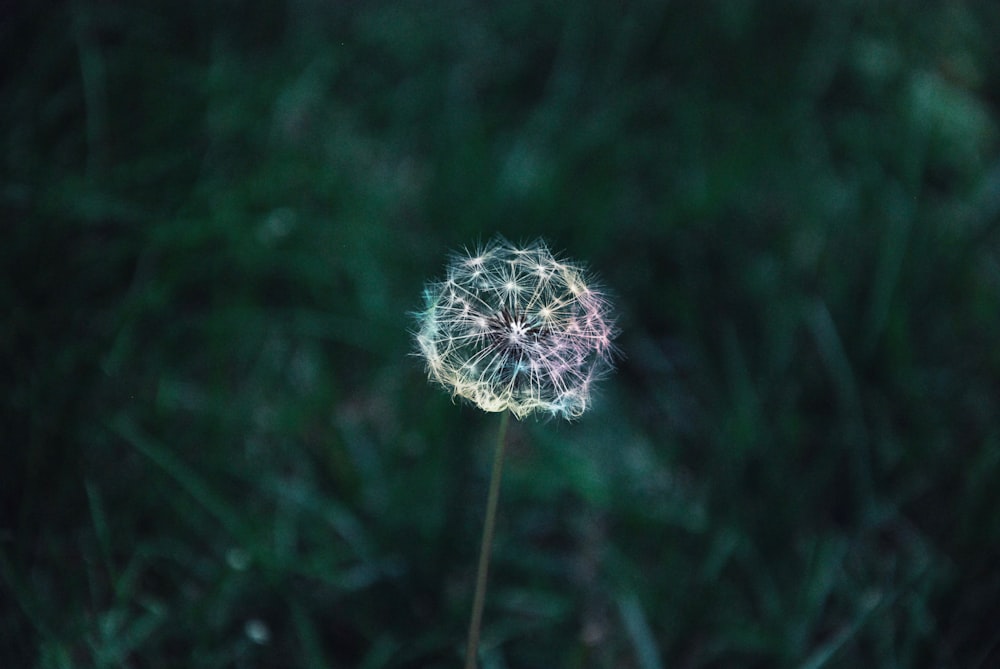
{"x":516,"y":328}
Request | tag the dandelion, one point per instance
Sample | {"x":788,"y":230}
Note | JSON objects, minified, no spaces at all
{"x":514,"y":330}
{"x":518,"y":329}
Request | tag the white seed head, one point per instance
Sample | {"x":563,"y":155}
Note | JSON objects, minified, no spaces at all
{"x":516,"y":328}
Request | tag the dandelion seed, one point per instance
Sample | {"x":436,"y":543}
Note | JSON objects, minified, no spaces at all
{"x":516,"y":328}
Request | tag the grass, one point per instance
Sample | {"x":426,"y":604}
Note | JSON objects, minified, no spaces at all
{"x":217,"y":450}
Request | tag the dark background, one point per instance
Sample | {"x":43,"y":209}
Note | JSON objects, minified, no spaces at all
{"x":218,"y":450}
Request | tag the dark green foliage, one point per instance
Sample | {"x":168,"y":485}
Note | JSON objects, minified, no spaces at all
{"x":217,"y":449}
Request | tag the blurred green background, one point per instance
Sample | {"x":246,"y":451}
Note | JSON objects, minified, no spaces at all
{"x":218,"y":450}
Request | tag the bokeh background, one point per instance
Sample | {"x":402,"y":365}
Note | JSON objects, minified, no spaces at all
{"x":219,"y":451}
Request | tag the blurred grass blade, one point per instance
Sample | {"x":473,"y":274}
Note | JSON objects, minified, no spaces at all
{"x":835,"y":356}
{"x":119,"y":635}
{"x":25,"y":597}
{"x":634,"y":618}
{"x":339,"y":517}
{"x":890,"y":262}
{"x":126,"y":428}
{"x":99,"y":517}
{"x":822,"y":655}
{"x":308,"y":637}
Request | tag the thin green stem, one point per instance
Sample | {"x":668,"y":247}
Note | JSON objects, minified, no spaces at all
{"x":486,"y":547}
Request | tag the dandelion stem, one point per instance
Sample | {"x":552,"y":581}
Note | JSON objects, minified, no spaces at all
{"x":486,"y":547}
